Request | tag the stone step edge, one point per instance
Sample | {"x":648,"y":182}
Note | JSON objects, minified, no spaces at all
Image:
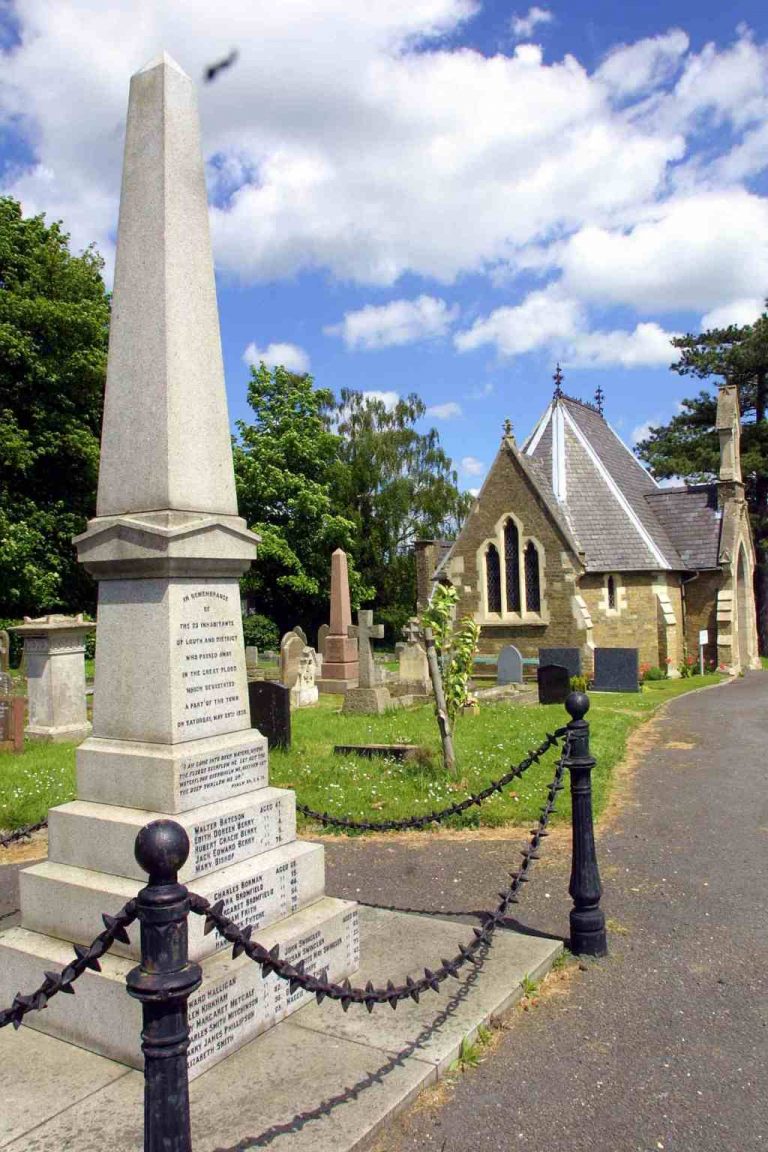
{"x":103,"y":1018}
{"x":67,"y":902}
{"x":107,"y":833}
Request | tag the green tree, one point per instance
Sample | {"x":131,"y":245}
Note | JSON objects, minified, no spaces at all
{"x":396,"y":484}
{"x":54,"y":321}
{"x":688,"y":445}
{"x":284,"y":466}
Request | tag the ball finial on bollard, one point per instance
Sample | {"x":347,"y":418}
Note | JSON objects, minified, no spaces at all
{"x":577,"y":705}
{"x":162,"y":848}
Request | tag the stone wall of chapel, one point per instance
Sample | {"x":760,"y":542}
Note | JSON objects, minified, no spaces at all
{"x":701,"y":613}
{"x":637,"y":620}
{"x":508,"y":491}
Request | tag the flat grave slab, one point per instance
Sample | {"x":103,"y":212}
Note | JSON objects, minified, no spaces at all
{"x":312,"y":1087}
{"x":395,"y":751}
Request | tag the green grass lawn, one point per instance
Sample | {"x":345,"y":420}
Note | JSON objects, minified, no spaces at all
{"x":486,"y":744}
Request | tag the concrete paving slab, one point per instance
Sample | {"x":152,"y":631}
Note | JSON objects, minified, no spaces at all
{"x":321,"y":1080}
{"x":41,"y":1077}
{"x":399,"y":945}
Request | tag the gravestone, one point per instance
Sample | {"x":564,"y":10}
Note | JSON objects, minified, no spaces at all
{"x":617,"y":670}
{"x":412,"y":659}
{"x":171,"y":726}
{"x":301,"y":634}
{"x":270,"y":710}
{"x":11,"y":716}
{"x":554,"y":683}
{"x":291,"y":648}
{"x":340,"y":656}
{"x":509,"y":669}
{"x":54,"y":651}
{"x":251,"y":658}
{"x":569,"y":658}
{"x":304,"y":691}
{"x":370,"y":694}
{"x":5,"y":650}
{"x":322,"y":632}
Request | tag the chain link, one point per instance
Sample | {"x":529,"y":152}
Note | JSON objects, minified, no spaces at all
{"x":86,"y":956}
{"x":417,"y":822}
{"x":22,"y":833}
{"x":269,"y":959}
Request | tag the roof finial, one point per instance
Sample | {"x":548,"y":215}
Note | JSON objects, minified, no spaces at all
{"x":558,"y":379}
{"x":600,"y":399}
{"x":508,"y":430}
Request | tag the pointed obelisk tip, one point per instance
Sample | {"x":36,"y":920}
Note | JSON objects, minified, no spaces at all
{"x":162,"y":58}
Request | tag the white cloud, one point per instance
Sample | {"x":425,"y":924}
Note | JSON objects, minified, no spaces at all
{"x":290,"y":356}
{"x":647,"y":346}
{"x":473,"y":491}
{"x":544,"y":318}
{"x":471,"y":466}
{"x":740,"y":312}
{"x":394,"y":324}
{"x":634,"y":68}
{"x":388,"y":399}
{"x":447,"y":411}
{"x":523,"y":26}
{"x":692,"y":252}
{"x":643,"y":431}
{"x":368,"y":141}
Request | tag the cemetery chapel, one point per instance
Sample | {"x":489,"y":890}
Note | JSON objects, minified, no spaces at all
{"x":571,"y":543}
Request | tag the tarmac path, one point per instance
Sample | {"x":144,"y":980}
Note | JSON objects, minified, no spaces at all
{"x":664,"y":1045}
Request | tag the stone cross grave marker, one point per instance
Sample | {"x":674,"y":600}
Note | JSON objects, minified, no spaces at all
{"x":171,"y":719}
{"x":510,"y":666}
{"x":554,"y":683}
{"x":364,"y":631}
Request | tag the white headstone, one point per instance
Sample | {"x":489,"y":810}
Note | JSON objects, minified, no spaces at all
{"x":304,"y":691}
{"x":291,"y":648}
{"x":171,"y":728}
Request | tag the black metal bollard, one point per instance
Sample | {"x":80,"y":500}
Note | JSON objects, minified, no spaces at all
{"x":587,"y":917}
{"x":163,"y":982}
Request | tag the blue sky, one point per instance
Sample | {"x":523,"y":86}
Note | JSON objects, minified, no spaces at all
{"x":438,"y":196}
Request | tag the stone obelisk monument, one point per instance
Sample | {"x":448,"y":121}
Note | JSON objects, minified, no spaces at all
{"x":171,"y":731}
{"x":341,"y":667}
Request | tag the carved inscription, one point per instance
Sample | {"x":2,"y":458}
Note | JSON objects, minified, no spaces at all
{"x":226,"y":1014}
{"x":269,"y":896}
{"x":230,"y":770}
{"x":210,"y":663}
{"x":226,"y":839}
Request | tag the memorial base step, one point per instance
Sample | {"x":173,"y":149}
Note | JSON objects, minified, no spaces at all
{"x":65,"y":902}
{"x":233,"y":1005}
{"x":101,"y":837}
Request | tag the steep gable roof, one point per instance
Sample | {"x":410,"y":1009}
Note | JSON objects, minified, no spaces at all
{"x":601,"y":488}
{"x":693,"y":520}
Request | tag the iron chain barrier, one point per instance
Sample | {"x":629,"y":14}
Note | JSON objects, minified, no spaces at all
{"x":165,"y":978}
{"x":22,"y":833}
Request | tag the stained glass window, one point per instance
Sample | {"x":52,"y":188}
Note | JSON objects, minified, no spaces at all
{"x":611,"y":592}
{"x":532,"y":579}
{"x":493,"y":578}
{"x":512,"y":565}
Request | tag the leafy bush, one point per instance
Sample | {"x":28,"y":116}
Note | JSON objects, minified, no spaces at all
{"x":456,"y":646}
{"x":688,"y":667}
{"x":652,"y":673}
{"x":260,"y":632}
{"x":394,"y":620}
{"x":579,"y":683}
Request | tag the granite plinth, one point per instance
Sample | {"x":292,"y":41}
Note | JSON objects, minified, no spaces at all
{"x":67,"y":902}
{"x":336,"y":687}
{"x":374,"y":700}
{"x":171,"y":778}
{"x":101,"y":838}
{"x":233,"y":1005}
{"x":339,"y":650}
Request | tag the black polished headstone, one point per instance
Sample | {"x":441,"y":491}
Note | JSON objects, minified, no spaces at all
{"x":617,"y":670}
{"x":569,"y":658}
{"x":509,"y":669}
{"x":270,"y":704}
{"x":554,"y":683}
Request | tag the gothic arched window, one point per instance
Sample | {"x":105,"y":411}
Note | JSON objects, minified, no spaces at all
{"x":532,"y":578}
{"x":493,"y":578}
{"x":512,"y":565}
{"x":611,"y":585}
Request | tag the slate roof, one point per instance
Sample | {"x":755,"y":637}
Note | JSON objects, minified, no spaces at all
{"x":691,"y":518}
{"x":614,"y":508}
